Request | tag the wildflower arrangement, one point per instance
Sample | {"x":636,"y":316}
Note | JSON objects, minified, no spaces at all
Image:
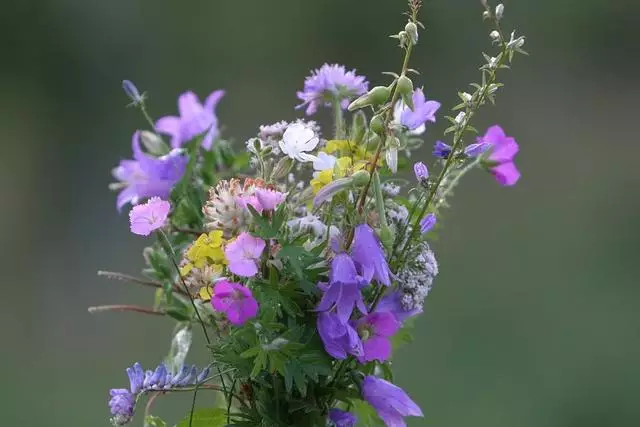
{"x":303,"y":259}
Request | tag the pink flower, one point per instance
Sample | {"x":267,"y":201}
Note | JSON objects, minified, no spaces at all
{"x":149,"y":216}
{"x":245,"y":201}
{"x":269,"y":199}
{"x":243,"y":254}
{"x":501,"y":157}
{"x":235,"y":300}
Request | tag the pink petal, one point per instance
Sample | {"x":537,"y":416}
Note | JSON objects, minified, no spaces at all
{"x":506,"y":174}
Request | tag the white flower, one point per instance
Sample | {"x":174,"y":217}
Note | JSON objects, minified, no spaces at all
{"x":324,"y":161}
{"x":297,"y":141}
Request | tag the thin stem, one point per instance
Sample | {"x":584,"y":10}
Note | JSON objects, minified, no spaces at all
{"x":124,"y":308}
{"x":127,"y":278}
{"x":193,"y":404}
{"x":147,"y":408}
{"x":338,"y":119}
{"x":145,"y":113}
{"x":456,"y":180}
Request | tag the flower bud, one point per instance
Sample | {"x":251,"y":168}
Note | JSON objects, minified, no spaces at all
{"x":360,"y":178}
{"x":282,"y":168}
{"x":132,"y":92}
{"x":486,"y":14}
{"x":405,"y":87}
{"x":499,"y":11}
{"x":376,"y":96}
{"x":358,"y":127}
{"x":391,"y":154}
{"x":377,"y":125}
{"x":412,"y":32}
{"x":421,"y":171}
{"x":153,"y":143}
{"x":495,"y":35}
{"x":387,"y":237}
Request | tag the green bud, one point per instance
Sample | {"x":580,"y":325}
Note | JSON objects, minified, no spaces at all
{"x":377,"y":124}
{"x":376,"y":96}
{"x":360,"y":178}
{"x":282,"y":168}
{"x":358,"y":127}
{"x":405,"y":87}
{"x":387,"y":237}
{"x":412,"y":32}
{"x":153,"y":143}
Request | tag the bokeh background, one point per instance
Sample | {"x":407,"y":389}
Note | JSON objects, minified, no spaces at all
{"x":534,"y":320}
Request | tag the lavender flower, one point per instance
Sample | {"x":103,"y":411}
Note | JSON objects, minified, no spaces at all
{"x":149,"y":217}
{"x":392,"y":303}
{"x":367,"y":252}
{"x":343,"y":291}
{"x":427,"y":223}
{"x":442,"y":150}
{"x":503,"y":150}
{"x":390,"y":402}
{"x":329,"y":84}
{"x":341,"y":418}
{"x":339,"y":338}
{"x":423,"y":111}
{"x":147,"y":176}
{"x":195,"y":119}
{"x":421,"y":171}
{"x":474,"y":150}
{"x":122,"y":406}
{"x":375,"y":330}
{"x":235,"y":300}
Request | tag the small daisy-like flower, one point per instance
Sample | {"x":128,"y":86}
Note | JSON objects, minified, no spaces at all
{"x":235,"y":300}
{"x":243,"y":254}
{"x":149,"y":216}
{"x":297,"y":141}
{"x":329,"y":84}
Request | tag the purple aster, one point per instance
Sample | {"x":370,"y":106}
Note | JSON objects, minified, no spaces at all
{"x":390,"y":402}
{"x":328,"y":84}
{"x":367,"y":252}
{"x":503,"y":150}
{"x":148,"y":176}
{"x":392,"y":303}
{"x":343,"y":291}
{"x":427,"y":223}
{"x":442,"y":150}
{"x":122,"y":406}
{"x":235,"y":300}
{"x":375,"y":329}
{"x":341,"y":418}
{"x":339,"y":338}
{"x":243,"y":254}
{"x":423,"y":111}
{"x":195,"y":119}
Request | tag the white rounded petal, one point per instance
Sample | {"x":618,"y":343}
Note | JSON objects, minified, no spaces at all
{"x":324,"y":161}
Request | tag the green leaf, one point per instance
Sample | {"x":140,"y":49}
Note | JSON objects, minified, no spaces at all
{"x":211,"y":417}
{"x":367,"y":416}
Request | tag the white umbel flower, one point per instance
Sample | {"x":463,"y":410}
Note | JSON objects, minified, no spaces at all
{"x":297,"y":141}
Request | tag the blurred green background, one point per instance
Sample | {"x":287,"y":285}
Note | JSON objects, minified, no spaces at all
{"x":534,"y":319}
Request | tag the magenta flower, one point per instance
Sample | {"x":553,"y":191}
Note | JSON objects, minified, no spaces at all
{"x":269,"y":199}
{"x":375,"y":329}
{"x":423,"y":111}
{"x":343,"y":291}
{"x":243,"y":255}
{"x":195,"y":119}
{"x":148,"y":217}
{"x":390,"y":402}
{"x":235,"y":300}
{"x":368,"y":254}
{"x":331,"y":83}
{"x":147,"y":176}
{"x":503,"y":150}
{"x":339,"y":338}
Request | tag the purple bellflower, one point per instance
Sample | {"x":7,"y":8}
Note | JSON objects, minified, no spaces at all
{"x":375,"y":330}
{"x":195,"y":119}
{"x":392,"y":303}
{"x":421,"y":171}
{"x":343,"y":291}
{"x":427,"y":223}
{"x":423,"y":111}
{"x":341,"y":418}
{"x":503,"y":150}
{"x":390,"y":402}
{"x":235,"y":300}
{"x":339,"y":338}
{"x":328,"y":84}
{"x":441,"y":150}
{"x":368,"y":254}
{"x":147,"y":176}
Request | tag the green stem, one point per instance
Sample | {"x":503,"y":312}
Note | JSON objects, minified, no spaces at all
{"x":338,"y":120}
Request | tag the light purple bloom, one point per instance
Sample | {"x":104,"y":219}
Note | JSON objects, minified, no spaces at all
{"x":339,"y":338}
{"x":392,"y":303}
{"x":375,"y":329}
{"x":368,"y":254}
{"x":427,"y":223}
{"x":195,"y":119}
{"x":421,"y":171}
{"x":148,"y":176}
{"x":269,"y":199}
{"x":330,"y":190}
{"x":235,"y":300}
{"x":442,"y":150}
{"x":503,"y":150}
{"x":136,"y":377}
{"x":343,"y":291}
{"x":331,"y":83}
{"x":390,"y":402}
{"x":122,"y":406}
{"x":243,"y":254}
{"x":341,"y":418}
{"x":474,"y":150}
{"x":149,"y":216}
{"x":423,"y":111}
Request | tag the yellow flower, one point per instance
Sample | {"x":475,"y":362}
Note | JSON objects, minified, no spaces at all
{"x":345,"y":148}
{"x":206,"y":249}
{"x":206,"y":293}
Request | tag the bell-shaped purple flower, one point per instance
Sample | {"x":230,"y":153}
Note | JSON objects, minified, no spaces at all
{"x":341,"y":418}
{"x":390,"y":402}
{"x":427,"y":223}
{"x":195,"y":119}
{"x":368,"y":254}
{"x":147,"y":176}
{"x":421,"y":171}
{"x":423,"y":111}
{"x":442,"y":150}
{"x":343,"y":291}
{"x":392,"y":303}
{"x":503,"y":150}
{"x":339,"y":338}
{"x":375,"y":330}
{"x":122,"y":406}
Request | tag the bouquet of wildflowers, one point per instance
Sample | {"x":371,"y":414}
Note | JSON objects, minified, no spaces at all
{"x":303,"y":259}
